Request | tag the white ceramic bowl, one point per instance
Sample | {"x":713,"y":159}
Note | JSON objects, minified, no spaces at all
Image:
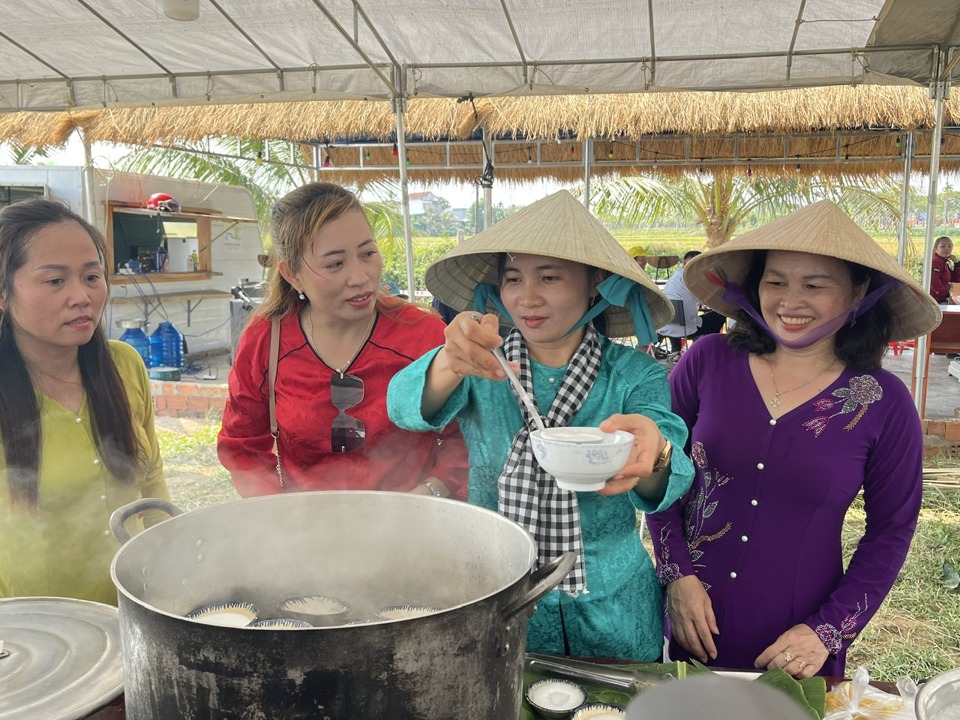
{"x":581,"y":458}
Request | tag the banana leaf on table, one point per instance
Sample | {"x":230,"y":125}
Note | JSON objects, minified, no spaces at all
{"x":810,"y":693}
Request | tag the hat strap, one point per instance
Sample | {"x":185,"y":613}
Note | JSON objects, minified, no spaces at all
{"x":623,"y":292}
{"x":733,"y":294}
{"x":485,"y":293}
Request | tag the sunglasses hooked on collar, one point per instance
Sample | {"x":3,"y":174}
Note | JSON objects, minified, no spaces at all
{"x":347,"y":432}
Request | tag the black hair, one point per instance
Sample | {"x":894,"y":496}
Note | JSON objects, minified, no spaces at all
{"x":859,"y":345}
{"x":690,"y":255}
{"x":19,"y":411}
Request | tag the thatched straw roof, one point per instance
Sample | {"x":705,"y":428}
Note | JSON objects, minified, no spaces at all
{"x":837,"y":130}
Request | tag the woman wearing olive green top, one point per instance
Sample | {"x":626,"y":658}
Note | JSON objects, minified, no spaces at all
{"x":76,"y":413}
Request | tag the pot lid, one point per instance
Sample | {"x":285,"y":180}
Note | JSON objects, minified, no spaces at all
{"x":64,"y":660}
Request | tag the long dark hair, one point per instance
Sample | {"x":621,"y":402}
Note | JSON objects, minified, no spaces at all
{"x":19,"y":410}
{"x":859,"y":346}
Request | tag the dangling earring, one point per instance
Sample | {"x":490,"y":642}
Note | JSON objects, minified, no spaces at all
{"x":302,"y":296}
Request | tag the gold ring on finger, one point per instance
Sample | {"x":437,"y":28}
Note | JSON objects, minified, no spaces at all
{"x":788,"y":657}
{"x":801,"y":664}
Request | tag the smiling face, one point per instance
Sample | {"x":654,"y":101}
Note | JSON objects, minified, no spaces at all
{"x":545,"y":298}
{"x":799,"y":292}
{"x":943,"y":247}
{"x":341,"y":268}
{"x":58,"y":294}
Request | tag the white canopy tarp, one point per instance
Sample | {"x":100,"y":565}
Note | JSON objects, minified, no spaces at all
{"x":58,"y":54}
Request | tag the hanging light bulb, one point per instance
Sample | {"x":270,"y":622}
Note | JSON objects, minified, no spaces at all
{"x":797,"y":168}
{"x":897,"y":143}
{"x":699,"y":169}
{"x":395,"y":152}
{"x":749,"y":171}
{"x":572,"y":150}
{"x":407,"y":158}
{"x":259,"y":158}
{"x":529,"y":159}
{"x":610,"y":155}
{"x":326,"y":160}
{"x":367,"y":156}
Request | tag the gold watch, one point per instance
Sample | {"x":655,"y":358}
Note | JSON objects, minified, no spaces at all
{"x":663,"y":459}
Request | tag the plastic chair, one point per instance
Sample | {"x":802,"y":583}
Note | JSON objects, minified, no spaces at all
{"x":680,"y":318}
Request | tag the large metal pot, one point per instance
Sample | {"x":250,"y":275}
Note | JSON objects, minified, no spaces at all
{"x":939,"y":697}
{"x":369,"y":549}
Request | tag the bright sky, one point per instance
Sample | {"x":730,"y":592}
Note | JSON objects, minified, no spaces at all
{"x":458,"y":195}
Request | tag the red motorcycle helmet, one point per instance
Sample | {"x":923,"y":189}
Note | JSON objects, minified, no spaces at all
{"x":163,"y":203}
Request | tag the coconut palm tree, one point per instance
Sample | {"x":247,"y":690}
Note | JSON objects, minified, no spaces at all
{"x":722,"y":201}
{"x":19,"y":154}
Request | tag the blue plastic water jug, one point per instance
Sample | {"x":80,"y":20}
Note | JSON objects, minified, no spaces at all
{"x":136,"y":337}
{"x":166,"y":346}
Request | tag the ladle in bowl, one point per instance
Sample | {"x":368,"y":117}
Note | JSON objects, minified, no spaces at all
{"x":518,"y":387}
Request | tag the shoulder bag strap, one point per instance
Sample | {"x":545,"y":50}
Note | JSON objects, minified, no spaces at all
{"x":271,"y":384}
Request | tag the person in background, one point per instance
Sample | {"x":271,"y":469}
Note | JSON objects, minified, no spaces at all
{"x":790,"y":417}
{"x":446,"y":313}
{"x":341,"y":340}
{"x":554,"y":273}
{"x":76,"y":412}
{"x":639,"y":254}
{"x":944,"y":272}
{"x":675,"y":289}
{"x":391,"y":289}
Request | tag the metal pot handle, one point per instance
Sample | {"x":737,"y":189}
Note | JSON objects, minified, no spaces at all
{"x":119,"y":516}
{"x":545,"y":579}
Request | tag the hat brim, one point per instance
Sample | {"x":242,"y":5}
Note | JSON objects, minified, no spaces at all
{"x":817,"y":230}
{"x":558,"y":227}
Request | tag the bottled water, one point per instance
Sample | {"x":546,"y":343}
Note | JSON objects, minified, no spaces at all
{"x":166,"y":347}
{"x":136,"y":337}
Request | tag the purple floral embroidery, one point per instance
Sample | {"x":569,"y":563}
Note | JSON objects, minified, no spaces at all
{"x":701,"y":506}
{"x":830,"y":637}
{"x":667,"y":571}
{"x":862,"y":391}
{"x":849,"y":623}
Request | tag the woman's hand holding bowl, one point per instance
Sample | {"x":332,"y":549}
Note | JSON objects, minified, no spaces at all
{"x":638,"y":472}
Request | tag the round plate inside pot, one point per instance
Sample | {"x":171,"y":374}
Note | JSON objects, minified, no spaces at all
{"x":405,"y":612}
{"x":228,"y":614}
{"x":65,"y":658}
{"x":316,"y":609}
{"x":280,"y":624}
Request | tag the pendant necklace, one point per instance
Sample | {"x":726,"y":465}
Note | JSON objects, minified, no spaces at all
{"x":348,"y":363}
{"x":775,"y":402}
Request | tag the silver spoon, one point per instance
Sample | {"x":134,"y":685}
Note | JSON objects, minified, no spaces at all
{"x":521,"y":393}
{"x":515,"y":382}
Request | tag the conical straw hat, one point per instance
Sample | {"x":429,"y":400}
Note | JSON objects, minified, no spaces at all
{"x":557,"y":226}
{"x":819,"y":229}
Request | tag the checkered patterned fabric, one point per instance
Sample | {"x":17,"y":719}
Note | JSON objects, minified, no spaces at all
{"x":528,"y":494}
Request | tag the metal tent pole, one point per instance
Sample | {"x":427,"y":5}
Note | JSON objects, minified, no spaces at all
{"x":399,"y":104}
{"x":587,"y":157}
{"x":487,"y":188}
{"x":920,"y":378}
{"x":905,"y":197}
{"x":89,"y":206}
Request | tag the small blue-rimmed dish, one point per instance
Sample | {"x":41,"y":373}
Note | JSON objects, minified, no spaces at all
{"x":318,"y":610}
{"x":229,"y":614}
{"x":555,"y":699}
{"x":280,"y":624}
{"x":405,"y":612}
{"x":599,"y":711}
